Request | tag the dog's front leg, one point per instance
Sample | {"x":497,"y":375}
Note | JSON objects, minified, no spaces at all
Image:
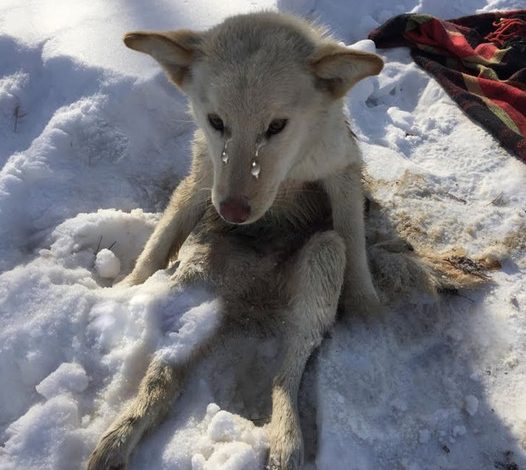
{"x":185,"y":209}
{"x":313,"y":280}
{"x":345,"y":193}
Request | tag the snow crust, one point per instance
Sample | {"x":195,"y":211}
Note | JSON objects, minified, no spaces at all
{"x":93,"y":139}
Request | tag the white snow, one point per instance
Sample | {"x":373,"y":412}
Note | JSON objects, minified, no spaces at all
{"x":423,"y":436}
{"x":471,"y":404}
{"x":196,"y":325}
{"x":107,"y":264}
{"x":93,"y":139}
{"x":69,"y":377}
{"x":229,"y":442}
{"x":459,"y":431}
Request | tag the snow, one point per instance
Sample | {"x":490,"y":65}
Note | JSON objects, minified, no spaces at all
{"x":101,"y":139}
{"x":69,"y":377}
{"x":229,"y":442}
{"x":107,"y":264}
{"x":196,"y":325}
{"x":471,"y":404}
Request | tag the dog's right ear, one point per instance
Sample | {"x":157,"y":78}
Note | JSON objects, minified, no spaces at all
{"x":338,"y":68}
{"x":174,"y":50}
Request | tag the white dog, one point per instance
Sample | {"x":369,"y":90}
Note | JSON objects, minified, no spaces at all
{"x":272,"y":210}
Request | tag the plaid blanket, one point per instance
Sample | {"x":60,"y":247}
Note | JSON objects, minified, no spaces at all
{"x":480,"y":61}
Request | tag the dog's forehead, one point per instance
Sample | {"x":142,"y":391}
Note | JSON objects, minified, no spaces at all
{"x":258,"y":67}
{"x":258,"y":86}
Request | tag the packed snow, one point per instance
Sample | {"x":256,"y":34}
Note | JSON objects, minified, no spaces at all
{"x":107,"y":264}
{"x":92,"y":141}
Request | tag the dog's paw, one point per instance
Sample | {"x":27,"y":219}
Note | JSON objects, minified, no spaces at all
{"x":286,"y":450}
{"x":111,"y":452}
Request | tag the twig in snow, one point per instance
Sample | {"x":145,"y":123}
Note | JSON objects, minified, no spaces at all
{"x":98,"y":245}
{"x":17,"y":114}
{"x":497,"y":200}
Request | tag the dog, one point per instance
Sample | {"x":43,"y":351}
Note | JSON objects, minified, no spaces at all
{"x":271,"y":213}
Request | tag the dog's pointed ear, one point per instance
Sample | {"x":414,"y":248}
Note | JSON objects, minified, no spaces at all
{"x":174,"y":50}
{"x":338,"y":68}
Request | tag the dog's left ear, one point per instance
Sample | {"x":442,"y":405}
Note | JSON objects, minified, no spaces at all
{"x":338,"y":68}
{"x":174,"y":50}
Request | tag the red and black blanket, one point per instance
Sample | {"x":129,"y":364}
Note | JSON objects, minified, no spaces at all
{"x":480,"y":61}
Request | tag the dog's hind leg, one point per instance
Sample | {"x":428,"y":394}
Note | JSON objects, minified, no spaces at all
{"x":159,"y":388}
{"x":313,"y":280}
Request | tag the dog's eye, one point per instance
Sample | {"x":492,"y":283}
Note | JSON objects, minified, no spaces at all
{"x":276,"y":126}
{"x":216,"y":122}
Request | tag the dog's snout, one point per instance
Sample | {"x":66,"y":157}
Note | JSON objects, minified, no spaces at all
{"x":235,"y":209}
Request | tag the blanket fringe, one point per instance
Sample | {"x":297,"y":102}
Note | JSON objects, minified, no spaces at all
{"x":509,"y":30}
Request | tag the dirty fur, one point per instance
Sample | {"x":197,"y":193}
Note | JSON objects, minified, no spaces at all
{"x":299,"y":249}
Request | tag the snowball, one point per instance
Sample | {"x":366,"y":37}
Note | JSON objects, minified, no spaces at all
{"x":68,"y":377}
{"x":107,"y":264}
{"x":471,"y":404}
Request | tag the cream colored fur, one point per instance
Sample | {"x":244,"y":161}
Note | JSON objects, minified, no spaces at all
{"x":284,"y":268}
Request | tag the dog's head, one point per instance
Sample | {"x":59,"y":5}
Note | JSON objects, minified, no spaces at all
{"x":262,"y":87}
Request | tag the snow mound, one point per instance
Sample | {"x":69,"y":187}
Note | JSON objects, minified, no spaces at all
{"x":232,"y":443}
{"x":69,"y":377}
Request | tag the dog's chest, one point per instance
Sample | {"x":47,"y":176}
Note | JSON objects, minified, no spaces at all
{"x":245,"y":261}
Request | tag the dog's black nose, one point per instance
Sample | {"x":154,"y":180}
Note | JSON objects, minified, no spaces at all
{"x":235,"y":209}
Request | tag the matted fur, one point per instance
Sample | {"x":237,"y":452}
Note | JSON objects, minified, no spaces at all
{"x":302,"y":249}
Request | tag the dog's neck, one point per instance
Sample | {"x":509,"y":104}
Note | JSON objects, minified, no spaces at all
{"x":329,"y":148}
